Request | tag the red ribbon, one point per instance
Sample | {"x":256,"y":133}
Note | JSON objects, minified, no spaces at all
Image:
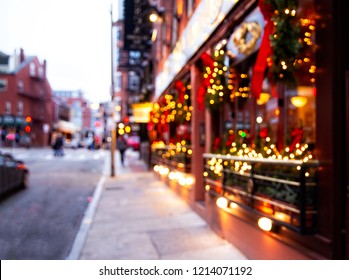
{"x":264,"y":51}
{"x":297,"y":135}
{"x":230,"y":140}
{"x":179,"y":86}
{"x":207,"y":62}
{"x":216,"y":143}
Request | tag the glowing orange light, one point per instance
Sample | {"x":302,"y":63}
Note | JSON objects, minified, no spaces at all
{"x":265,"y":224}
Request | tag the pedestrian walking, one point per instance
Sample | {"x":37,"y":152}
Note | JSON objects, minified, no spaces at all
{"x":58,"y":146}
{"x":122,"y":146}
{"x":2,"y":136}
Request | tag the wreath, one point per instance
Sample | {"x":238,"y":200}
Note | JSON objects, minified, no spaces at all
{"x":246,"y":36}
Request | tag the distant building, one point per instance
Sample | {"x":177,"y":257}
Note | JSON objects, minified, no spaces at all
{"x":25,"y":103}
{"x":79,"y":118}
{"x":132,"y":46}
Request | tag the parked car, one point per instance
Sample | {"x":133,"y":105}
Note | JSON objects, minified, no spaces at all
{"x":134,"y":142}
{"x":13,"y":174}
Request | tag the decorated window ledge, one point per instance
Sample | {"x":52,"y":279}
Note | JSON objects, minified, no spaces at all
{"x":282,"y":190}
{"x":173,"y":162}
{"x":174,"y":156}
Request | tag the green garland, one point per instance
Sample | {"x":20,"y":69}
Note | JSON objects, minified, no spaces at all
{"x":217,"y":92}
{"x":285,"y":41}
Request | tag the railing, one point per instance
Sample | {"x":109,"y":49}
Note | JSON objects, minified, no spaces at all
{"x":282,"y":190}
{"x":174,"y":157}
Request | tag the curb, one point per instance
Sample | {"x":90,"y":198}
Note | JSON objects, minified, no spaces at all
{"x":86,"y":222}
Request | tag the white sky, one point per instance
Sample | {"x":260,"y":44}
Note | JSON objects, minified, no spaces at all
{"x":72,"y":35}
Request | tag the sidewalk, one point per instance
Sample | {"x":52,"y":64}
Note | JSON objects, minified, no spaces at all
{"x":135,"y":216}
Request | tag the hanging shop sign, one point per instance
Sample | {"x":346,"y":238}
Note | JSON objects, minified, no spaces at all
{"x":202,"y":23}
{"x":141,"y":112}
{"x":246,"y":38}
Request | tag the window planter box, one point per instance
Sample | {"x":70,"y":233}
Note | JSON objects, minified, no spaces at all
{"x":284,"y":191}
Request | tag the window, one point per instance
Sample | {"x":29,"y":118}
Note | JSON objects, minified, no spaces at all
{"x":20,"y":108}
{"x":32,"y":69}
{"x":189,"y":8}
{"x":41,"y":72}
{"x":174,"y":35}
{"x":8,"y":108}
{"x":134,"y":58}
{"x":118,"y":81}
{"x":20,"y":86}
{"x":3,"y":85}
{"x":133,"y":81}
{"x":118,"y":33}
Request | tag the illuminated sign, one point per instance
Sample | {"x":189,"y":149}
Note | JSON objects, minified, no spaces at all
{"x":141,"y":112}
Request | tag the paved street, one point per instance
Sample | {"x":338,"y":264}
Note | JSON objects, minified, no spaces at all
{"x":41,"y":222}
{"x":73,"y":209}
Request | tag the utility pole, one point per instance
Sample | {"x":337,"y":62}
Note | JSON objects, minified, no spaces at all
{"x":113,"y":127}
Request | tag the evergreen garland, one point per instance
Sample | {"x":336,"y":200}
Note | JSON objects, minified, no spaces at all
{"x":217,"y":91}
{"x":285,"y":41}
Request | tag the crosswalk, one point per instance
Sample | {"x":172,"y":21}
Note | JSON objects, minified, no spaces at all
{"x":46,"y":154}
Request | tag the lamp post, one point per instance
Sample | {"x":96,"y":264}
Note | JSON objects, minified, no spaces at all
{"x":113,"y":127}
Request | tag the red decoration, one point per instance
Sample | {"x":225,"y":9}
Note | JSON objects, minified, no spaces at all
{"x":230,"y":140}
{"x":179,"y":86}
{"x":207,"y":62}
{"x":263,"y":132}
{"x":216,"y":143}
{"x":264,"y":51}
{"x":297,"y":135}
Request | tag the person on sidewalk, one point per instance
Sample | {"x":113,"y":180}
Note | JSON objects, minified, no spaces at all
{"x":58,"y":146}
{"x":121,"y":145}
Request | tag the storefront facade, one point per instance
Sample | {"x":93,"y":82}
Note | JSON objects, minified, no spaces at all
{"x":250,"y":125}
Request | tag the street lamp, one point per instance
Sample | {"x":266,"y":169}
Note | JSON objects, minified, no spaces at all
{"x":113,"y":128}
{"x":156,"y":14}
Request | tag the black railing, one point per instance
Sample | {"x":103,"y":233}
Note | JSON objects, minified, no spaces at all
{"x":283,"y":190}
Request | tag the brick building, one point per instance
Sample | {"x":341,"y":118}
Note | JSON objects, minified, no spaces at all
{"x":25,"y":99}
{"x":237,"y":157}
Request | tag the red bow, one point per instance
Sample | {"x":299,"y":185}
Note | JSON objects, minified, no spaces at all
{"x":264,"y":51}
{"x":297,"y":135}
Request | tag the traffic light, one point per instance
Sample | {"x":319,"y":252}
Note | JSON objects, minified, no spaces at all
{"x":28,"y":121}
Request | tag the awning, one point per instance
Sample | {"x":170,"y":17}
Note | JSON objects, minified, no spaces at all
{"x":202,"y":23}
{"x":66,"y":127}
